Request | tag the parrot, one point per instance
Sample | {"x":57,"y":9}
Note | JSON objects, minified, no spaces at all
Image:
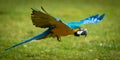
{"x":55,"y":27}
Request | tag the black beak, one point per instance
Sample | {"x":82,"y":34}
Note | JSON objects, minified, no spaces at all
{"x":84,"y":33}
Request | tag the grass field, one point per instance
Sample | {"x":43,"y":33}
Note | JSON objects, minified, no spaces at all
{"x":102,"y":42}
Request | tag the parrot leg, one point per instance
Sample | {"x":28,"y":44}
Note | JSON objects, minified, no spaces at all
{"x":58,"y":38}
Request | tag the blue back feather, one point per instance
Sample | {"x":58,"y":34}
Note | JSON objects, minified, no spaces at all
{"x":33,"y":38}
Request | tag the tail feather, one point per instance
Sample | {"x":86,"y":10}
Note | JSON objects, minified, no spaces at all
{"x":25,"y":41}
{"x":18,"y":44}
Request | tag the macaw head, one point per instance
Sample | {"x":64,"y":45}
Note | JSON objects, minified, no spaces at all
{"x":81,"y":31}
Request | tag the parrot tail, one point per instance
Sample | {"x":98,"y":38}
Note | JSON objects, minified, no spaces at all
{"x":33,"y":38}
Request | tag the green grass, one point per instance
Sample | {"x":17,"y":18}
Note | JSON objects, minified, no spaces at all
{"x":102,"y":42}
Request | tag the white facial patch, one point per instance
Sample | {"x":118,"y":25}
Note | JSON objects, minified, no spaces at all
{"x":79,"y":32}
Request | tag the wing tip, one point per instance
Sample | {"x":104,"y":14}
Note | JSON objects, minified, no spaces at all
{"x":102,"y":16}
{"x":35,"y":9}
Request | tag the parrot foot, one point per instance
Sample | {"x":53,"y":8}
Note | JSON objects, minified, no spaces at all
{"x":58,"y":38}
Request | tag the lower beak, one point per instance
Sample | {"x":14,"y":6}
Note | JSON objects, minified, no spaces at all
{"x":85,"y":35}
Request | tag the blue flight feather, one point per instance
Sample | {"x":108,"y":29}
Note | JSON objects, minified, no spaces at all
{"x":33,"y":38}
{"x":90,"y":20}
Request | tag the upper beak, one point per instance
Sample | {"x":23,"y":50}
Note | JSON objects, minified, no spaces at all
{"x":84,"y":33}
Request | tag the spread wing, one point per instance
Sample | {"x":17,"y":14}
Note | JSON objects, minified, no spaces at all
{"x":90,"y":20}
{"x":44,"y":20}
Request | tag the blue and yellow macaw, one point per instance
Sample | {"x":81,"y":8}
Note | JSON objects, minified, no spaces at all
{"x":56,"y":27}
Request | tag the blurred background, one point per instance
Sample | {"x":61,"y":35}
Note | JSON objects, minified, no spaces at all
{"x":102,"y":42}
